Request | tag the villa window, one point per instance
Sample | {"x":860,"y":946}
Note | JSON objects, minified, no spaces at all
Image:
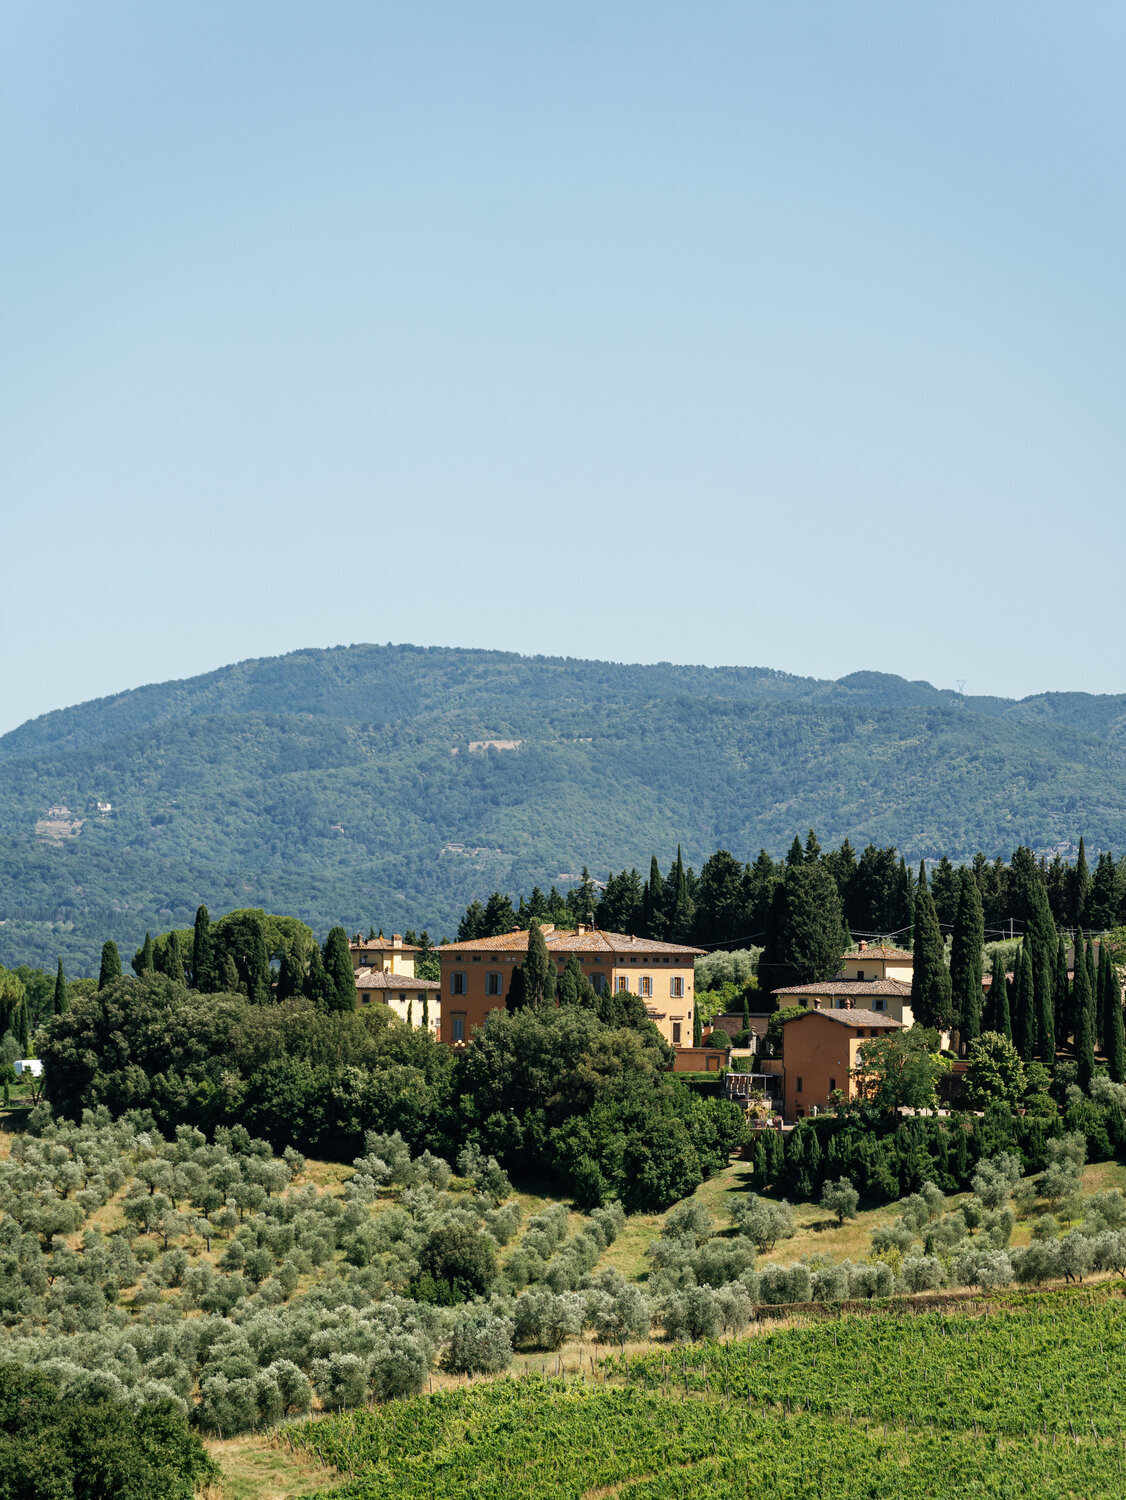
{"x":645,"y":986}
{"x":676,"y":1033}
{"x":599,"y":982}
{"x":676,"y":986}
{"x":493,"y":984}
{"x":623,"y":985}
{"x":797,"y":1085}
{"x":457,"y":1028}
{"x":458,"y":984}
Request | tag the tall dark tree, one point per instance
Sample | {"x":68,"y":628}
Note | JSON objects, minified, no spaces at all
{"x":719,"y":900}
{"x":803,"y":940}
{"x":812,"y":851}
{"x":1116,"y":1027}
{"x":1103,"y":904}
{"x":171,"y":959}
{"x":1064,"y":1028}
{"x":203,"y":975}
{"x":653,"y":903}
{"x":759,"y":882}
{"x":1024,"y":1005}
{"x":999,"y":1017}
{"x":796,"y":854}
{"x":142,"y":960}
{"x":678,"y":900}
{"x":1092,"y":970}
{"x":574,"y":987}
{"x":582,"y":899}
{"x":516,"y":997}
{"x":339,"y":973}
{"x":966,"y":952}
{"x":905,"y":909}
{"x":931,"y":998}
{"x":472,"y":923}
{"x":499,"y":916}
{"x":1046,"y":1012}
{"x":1083,"y":1008}
{"x":620,"y":906}
{"x":24,"y":1028}
{"x":291,"y":980}
{"x":111,"y":964}
{"x":1080,"y":886}
{"x":61,"y":1002}
{"x":945,"y":889}
{"x":539,"y":968}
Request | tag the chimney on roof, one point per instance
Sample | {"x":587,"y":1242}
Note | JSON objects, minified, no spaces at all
{"x":397,"y":939}
{"x":581,"y":929}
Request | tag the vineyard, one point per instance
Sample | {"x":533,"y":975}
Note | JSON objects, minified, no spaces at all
{"x":1018,"y":1403}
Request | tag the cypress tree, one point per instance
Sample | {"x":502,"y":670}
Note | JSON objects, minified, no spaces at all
{"x":1092,"y":970}
{"x":290,"y":978}
{"x":173,"y":959}
{"x":1042,"y":940}
{"x":931,"y":998}
{"x":1064,"y":1029}
{"x":1102,"y":1009}
{"x":1024,"y":1005}
{"x":999,"y":999}
{"x":803,"y":931}
{"x":678,"y":927}
{"x":1046,"y":1014}
{"x":340,"y":977}
{"x":570,"y":981}
{"x":966,"y":958}
{"x":426,"y":1010}
{"x":203,"y":977}
{"x":25,"y":1028}
{"x":111,"y":964}
{"x":143,"y":958}
{"x":539,"y":968}
{"x":746,"y":1012}
{"x":1116,"y":1026}
{"x":516,"y":997}
{"x":697,"y":1027}
{"x":1080,"y":887}
{"x":1083,"y":1007}
{"x":653,"y":902}
{"x":230,"y":982}
{"x":316,"y":980}
{"x":61,"y":1002}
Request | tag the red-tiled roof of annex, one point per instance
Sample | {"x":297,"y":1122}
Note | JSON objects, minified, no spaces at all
{"x":879,"y":953}
{"x":858,"y":1018}
{"x":378,"y":979}
{"x":570,"y":940}
{"x":393,"y":944}
{"x":849,"y":987}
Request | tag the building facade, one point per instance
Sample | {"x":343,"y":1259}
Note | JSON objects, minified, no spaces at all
{"x":384,"y":955}
{"x":418,"y":1002}
{"x":476,"y":976}
{"x":891,"y":997}
{"x":877,"y":963}
{"x":819,"y":1056}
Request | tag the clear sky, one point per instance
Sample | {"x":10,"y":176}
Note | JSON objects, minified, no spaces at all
{"x":784,"y":334}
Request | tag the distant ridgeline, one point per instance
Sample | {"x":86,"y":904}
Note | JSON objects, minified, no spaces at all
{"x":398,"y":784}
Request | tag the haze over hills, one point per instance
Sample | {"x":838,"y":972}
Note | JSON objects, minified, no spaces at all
{"x":357,"y":784}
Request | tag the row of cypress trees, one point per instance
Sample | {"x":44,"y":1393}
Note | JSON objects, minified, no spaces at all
{"x":238,"y":961}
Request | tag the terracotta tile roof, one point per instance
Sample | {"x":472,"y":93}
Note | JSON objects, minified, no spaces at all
{"x":382,"y":945}
{"x":853,"y":1018}
{"x":571,"y":940}
{"x":880,"y":953}
{"x":377,"y":979}
{"x":849,"y":987}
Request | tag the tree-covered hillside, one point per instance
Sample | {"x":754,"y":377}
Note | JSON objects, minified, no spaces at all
{"x":341,"y":785}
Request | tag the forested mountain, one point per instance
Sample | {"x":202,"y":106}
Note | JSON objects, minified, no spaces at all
{"x":352,"y":785}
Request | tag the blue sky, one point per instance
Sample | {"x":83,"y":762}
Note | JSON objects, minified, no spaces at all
{"x":778,"y":334}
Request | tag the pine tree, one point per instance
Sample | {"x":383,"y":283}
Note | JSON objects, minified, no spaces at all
{"x":340,"y":977}
{"x":1024,"y":1006}
{"x":796,"y":856}
{"x":653,"y":903}
{"x":61,"y":1002}
{"x":1083,"y":1007}
{"x":1080,"y":887}
{"x":966,"y":958}
{"x":931,"y":997}
{"x":143,"y":958}
{"x":203,"y":978}
{"x":812,"y":850}
{"x":111,"y":964}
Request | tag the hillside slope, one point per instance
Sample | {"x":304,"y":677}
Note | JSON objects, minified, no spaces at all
{"x":340,"y":784}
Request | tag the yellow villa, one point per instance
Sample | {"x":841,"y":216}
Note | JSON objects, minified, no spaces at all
{"x":384,"y":969}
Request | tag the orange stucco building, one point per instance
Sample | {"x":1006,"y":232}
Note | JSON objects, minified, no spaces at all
{"x":819,"y":1055}
{"x":476,"y":975}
